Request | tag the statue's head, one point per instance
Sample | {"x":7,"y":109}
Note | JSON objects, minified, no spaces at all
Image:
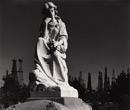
{"x":49,"y":9}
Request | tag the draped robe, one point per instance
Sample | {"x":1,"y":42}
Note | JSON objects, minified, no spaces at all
{"x":50,"y":66}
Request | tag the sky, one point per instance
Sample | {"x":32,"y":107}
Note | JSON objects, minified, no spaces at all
{"x":98,"y":35}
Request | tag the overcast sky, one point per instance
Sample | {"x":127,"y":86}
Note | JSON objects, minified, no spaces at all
{"x":98,"y":35}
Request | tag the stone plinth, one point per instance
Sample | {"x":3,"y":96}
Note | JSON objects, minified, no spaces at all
{"x":38,"y":105}
{"x":63,"y":98}
{"x":53,"y":94}
{"x":69,"y":104}
{"x":62,"y":91}
{"x":72,"y":103}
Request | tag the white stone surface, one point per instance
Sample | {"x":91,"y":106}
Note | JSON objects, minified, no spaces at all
{"x":63,"y":92}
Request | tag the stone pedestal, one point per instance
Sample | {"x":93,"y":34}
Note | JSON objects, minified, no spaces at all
{"x":69,"y":102}
{"x":59,"y":93}
{"x":65,"y":97}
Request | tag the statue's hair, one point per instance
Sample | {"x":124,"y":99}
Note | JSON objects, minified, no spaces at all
{"x":47,"y":6}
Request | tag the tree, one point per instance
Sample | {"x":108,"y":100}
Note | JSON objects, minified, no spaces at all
{"x":120,"y":90}
{"x":13,"y":92}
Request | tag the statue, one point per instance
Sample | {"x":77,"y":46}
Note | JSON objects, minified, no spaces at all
{"x":51,"y":69}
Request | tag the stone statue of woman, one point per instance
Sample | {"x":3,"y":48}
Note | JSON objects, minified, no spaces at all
{"x":50,"y":66}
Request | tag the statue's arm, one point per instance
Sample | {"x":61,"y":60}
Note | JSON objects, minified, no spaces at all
{"x":63,"y":36}
{"x":63,"y":30}
{"x":43,"y":28}
{"x":62,"y":43}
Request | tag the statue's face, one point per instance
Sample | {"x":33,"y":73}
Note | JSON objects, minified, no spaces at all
{"x":52,"y":11}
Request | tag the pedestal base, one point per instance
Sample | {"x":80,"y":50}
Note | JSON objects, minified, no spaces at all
{"x":68,"y":102}
{"x":64,"y":91}
{"x":64,"y":98}
{"x":54,"y":94}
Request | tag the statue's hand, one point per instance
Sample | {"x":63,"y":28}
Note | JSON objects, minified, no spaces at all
{"x":56,"y":43}
{"x":51,"y":45}
{"x":47,"y":20}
